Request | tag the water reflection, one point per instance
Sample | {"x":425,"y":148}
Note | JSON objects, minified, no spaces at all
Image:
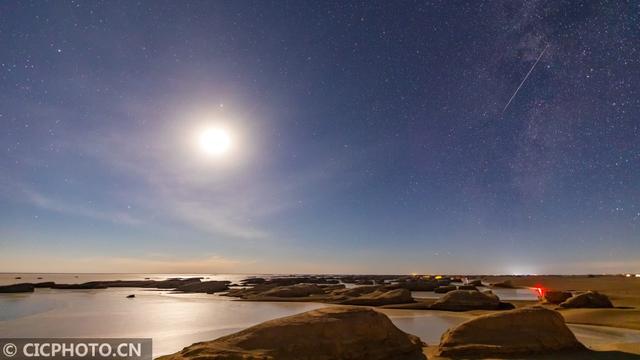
{"x":178,"y":320}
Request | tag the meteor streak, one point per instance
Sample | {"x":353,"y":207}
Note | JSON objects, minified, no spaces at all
{"x":525,"y":79}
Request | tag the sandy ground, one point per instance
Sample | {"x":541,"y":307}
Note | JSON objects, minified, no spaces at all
{"x":614,"y":353}
{"x":624,"y":293}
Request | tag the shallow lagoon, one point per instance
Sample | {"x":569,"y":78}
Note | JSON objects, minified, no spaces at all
{"x":177,"y":320}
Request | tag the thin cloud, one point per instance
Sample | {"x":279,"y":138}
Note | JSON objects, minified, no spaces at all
{"x":152,"y":264}
{"x":25,"y":194}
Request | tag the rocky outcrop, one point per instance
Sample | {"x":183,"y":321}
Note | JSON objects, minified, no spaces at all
{"x":162,"y":284}
{"x":292,"y":280}
{"x":370,"y":279}
{"x":466,"y":287}
{"x":418,"y":285}
{"x":253,"y":281}
{"x":17,"y":288}
{"x":381,"y":297}
{"x":208,"y":287}
{"x":506,"y":284}
{"x":45,"y":284}
{"x":445,"y":289}
{"x":330,"y":333}
{"x":246,"y":293}
{"x":464,"y":300}
{"x":475,"y":282}
{"x":83,"y":286}
{"x":556,"y":297}
{"x":589,"y":299}
{"x":185,"y":285}
{"x":299,"y":290}
{"x":519,"y":332}
{"x":351,"y":292}
{"x":271,"y":291}
{"x":172,"y":283}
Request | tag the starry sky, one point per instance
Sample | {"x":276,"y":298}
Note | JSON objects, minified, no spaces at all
{"x":369,"y":137}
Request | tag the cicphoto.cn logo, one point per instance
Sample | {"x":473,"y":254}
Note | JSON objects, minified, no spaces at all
{"x":75,"y":348}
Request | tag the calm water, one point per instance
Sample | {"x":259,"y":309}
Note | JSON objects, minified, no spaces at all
{"x":178,"y":320}
{"x":504,"y":294}
{"x":8,"y":278}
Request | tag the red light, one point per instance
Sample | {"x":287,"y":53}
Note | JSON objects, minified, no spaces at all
{"x":540,"y":290}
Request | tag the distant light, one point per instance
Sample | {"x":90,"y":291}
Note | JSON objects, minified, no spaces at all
{"x":629,"y":275}
{"x":540,"y":290}
{"x":638,"y":275}
{"x":438,"y":277}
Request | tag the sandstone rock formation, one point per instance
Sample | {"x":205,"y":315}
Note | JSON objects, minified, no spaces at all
{"x":45,"y":284}
{"x":418,"y":285}
{"x":466,"y":287}
{"x":475,"y":282}
{"x":269,"y":290}
{"x":329,"y":333}
{"x":17,"y":288}
{"x":351,"y":292}
{"x":532,"y":330}
{"x":290,"y":280}
{"x":208,"y":287}
{"x":298,"y":290}
{"x":589,"y":299}
{"x":381,"y":297}
{"x":177,"y":284}
{"x":507,"y":284}
{"x":464,"y":300}
{"x":556,"y":297}
{"x":445,"y":289}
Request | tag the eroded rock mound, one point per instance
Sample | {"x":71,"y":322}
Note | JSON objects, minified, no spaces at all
{"x":381,"y":297}
{"x":356,"y":291}
{"x":445,"y":289}
{"x":475,"y":282}
{"x":299,"y":290}
{"x":466,"y":287}
{"x":331,"y":333}
{"x":506,"y":284}
{"x":17,"y":288}
{"x":208,"y":287}
{"x":463,"y":300}
{"x":556,"y":297}
{"x":532,"y":330}
{"x":418,"y":285}
{"x":271,"y":291}
{"x":589,"y":299}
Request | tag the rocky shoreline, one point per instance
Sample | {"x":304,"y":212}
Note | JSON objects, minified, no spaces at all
{"x":185,"y":285}
{"x":487,"y":313}
{"x":375,"y":290}
{"x":361,"y":333}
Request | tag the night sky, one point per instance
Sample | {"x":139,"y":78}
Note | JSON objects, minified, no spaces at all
{"x":367,"y":137}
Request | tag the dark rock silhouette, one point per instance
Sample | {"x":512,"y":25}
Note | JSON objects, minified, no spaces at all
{"x":330,"y":333}
{"x":520,"y":332}
{"x":589,"y":299}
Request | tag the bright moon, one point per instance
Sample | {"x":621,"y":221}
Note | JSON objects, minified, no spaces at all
{"x":215,"y":141}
